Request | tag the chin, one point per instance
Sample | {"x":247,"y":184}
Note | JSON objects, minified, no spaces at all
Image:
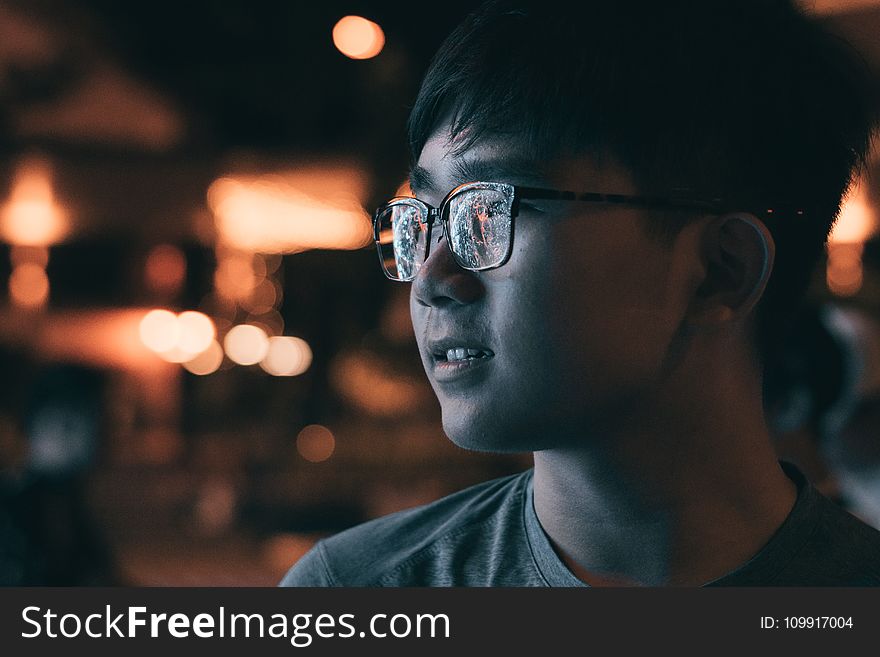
{"x":487,"y":436}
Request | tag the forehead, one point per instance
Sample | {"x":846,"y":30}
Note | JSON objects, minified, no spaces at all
{"x":443,"y":165}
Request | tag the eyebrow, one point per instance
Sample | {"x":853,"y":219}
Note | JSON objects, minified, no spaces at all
{"x":516,"y":170}
{"x":505,"y":169}
{"x":420,"y":179}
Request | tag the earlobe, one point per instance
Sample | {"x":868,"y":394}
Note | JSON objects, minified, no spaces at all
{"x":737,"y":251}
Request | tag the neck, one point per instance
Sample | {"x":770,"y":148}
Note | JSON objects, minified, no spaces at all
{"x":679,"y":494}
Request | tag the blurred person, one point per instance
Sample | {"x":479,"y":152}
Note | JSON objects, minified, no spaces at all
{"x":47,"y":534}
{"x":617,"y":208}
{"x":811,"y":385}
{"x":856,"y":459}
{"x":853,"y":450}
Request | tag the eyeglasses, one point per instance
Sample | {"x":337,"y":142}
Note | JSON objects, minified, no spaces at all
{"x":477,"y":219}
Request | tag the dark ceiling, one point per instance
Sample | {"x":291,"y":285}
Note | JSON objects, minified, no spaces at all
{"x":259,"y":74}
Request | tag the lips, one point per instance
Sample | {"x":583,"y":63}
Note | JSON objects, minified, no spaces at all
{"x":453,"y":357}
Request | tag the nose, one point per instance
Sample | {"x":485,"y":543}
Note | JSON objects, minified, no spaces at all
{"x":440,"y":282}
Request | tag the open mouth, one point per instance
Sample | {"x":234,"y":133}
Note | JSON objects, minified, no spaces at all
{"x":461,"y":355}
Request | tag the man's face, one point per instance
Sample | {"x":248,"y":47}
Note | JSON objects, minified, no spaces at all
{"x":578,"y":322}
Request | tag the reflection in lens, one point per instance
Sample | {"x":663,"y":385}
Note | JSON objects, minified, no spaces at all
{"x":404,"y":224}
{"x":479,"y":226}
{"x":407,"y":229}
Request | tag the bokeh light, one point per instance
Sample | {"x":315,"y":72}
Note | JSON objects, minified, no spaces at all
{"x":358,"y":38}
{"x":31,"y":216}
{"x":271,"y":322}
{"x":160,"y":330}
{"x":271,"y":261}
{"x":310,"y":208}
{"x":264,"y":297}
{"x":29,"y":285}
{"x":856,"y":221}
{"x":315,"y":443}
{"x":365,"y":380}
{"x":197,"y":331}
{"x":246,"y":344}
{"x":234,"y":278}
{"x":174,"y":355}
{"x":287,"y":356}
{"x":207,"y":362}
{"x":844,"y":273}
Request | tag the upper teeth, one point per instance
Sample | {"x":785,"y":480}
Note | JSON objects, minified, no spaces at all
{"x":463,"y":353}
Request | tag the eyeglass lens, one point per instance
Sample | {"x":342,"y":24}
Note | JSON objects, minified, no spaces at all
{"x":479,"y":231}
{"x":479,"y":227}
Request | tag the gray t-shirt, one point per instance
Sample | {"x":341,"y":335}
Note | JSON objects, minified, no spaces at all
{"x":489,"y":535}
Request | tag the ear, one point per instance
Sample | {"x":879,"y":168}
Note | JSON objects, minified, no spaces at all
{"x":737,"y":253}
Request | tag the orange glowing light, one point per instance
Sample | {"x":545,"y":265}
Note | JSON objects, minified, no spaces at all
{"x":364,"y":379}
{"x":31,"y":216}
{"x":246,"y":344}
{"x":37,"y":255}
{"x":309,"y":208}
{"x":101,"y":337}
{"x":272,"y":322}
{"x":844,"y":272}
{"x":281,"y":551}
{"x":165,"y":269}
{"x":235,"y":278}
{"x":287,"y":356}
{"x":160,"y":331}
{"x":264,"y":298}
{"x":272,"y":262}
{"x":175,"y":355}
{"x":207,"y":362}
{"x":197,"y":332}
{"x":846,"y":282}
{"x":856,"y":221}
{"x":259,"y":266}
{"x":358,"y":38}
{"x":29,"y":285}
{"x":315,"y":443}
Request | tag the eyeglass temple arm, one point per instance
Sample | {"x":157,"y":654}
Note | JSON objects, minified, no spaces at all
{"x":618,"y":199}
{"x":713,"y":205}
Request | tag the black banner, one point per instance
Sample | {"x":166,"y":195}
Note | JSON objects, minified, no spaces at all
{"x":172,"y":621}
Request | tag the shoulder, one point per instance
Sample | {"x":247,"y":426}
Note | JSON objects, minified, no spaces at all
{"x":417,"y":546}
{"x":842,"y":550}
{"x":819,"y":544}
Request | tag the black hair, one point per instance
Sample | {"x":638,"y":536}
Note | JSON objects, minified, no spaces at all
{"x":750,"y":101}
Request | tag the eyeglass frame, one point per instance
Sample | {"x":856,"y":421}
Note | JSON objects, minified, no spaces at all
{"x":712,"y":206}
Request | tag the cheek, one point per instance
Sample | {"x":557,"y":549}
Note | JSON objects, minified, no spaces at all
{"x":610,"y":304}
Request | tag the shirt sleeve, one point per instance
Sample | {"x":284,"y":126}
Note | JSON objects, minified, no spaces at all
{"x":310,"y":570}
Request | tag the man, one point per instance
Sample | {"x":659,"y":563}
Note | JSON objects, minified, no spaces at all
{"x":616,"y":208}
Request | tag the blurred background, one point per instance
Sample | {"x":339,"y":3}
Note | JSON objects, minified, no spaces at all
{"x":204,"y":369}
